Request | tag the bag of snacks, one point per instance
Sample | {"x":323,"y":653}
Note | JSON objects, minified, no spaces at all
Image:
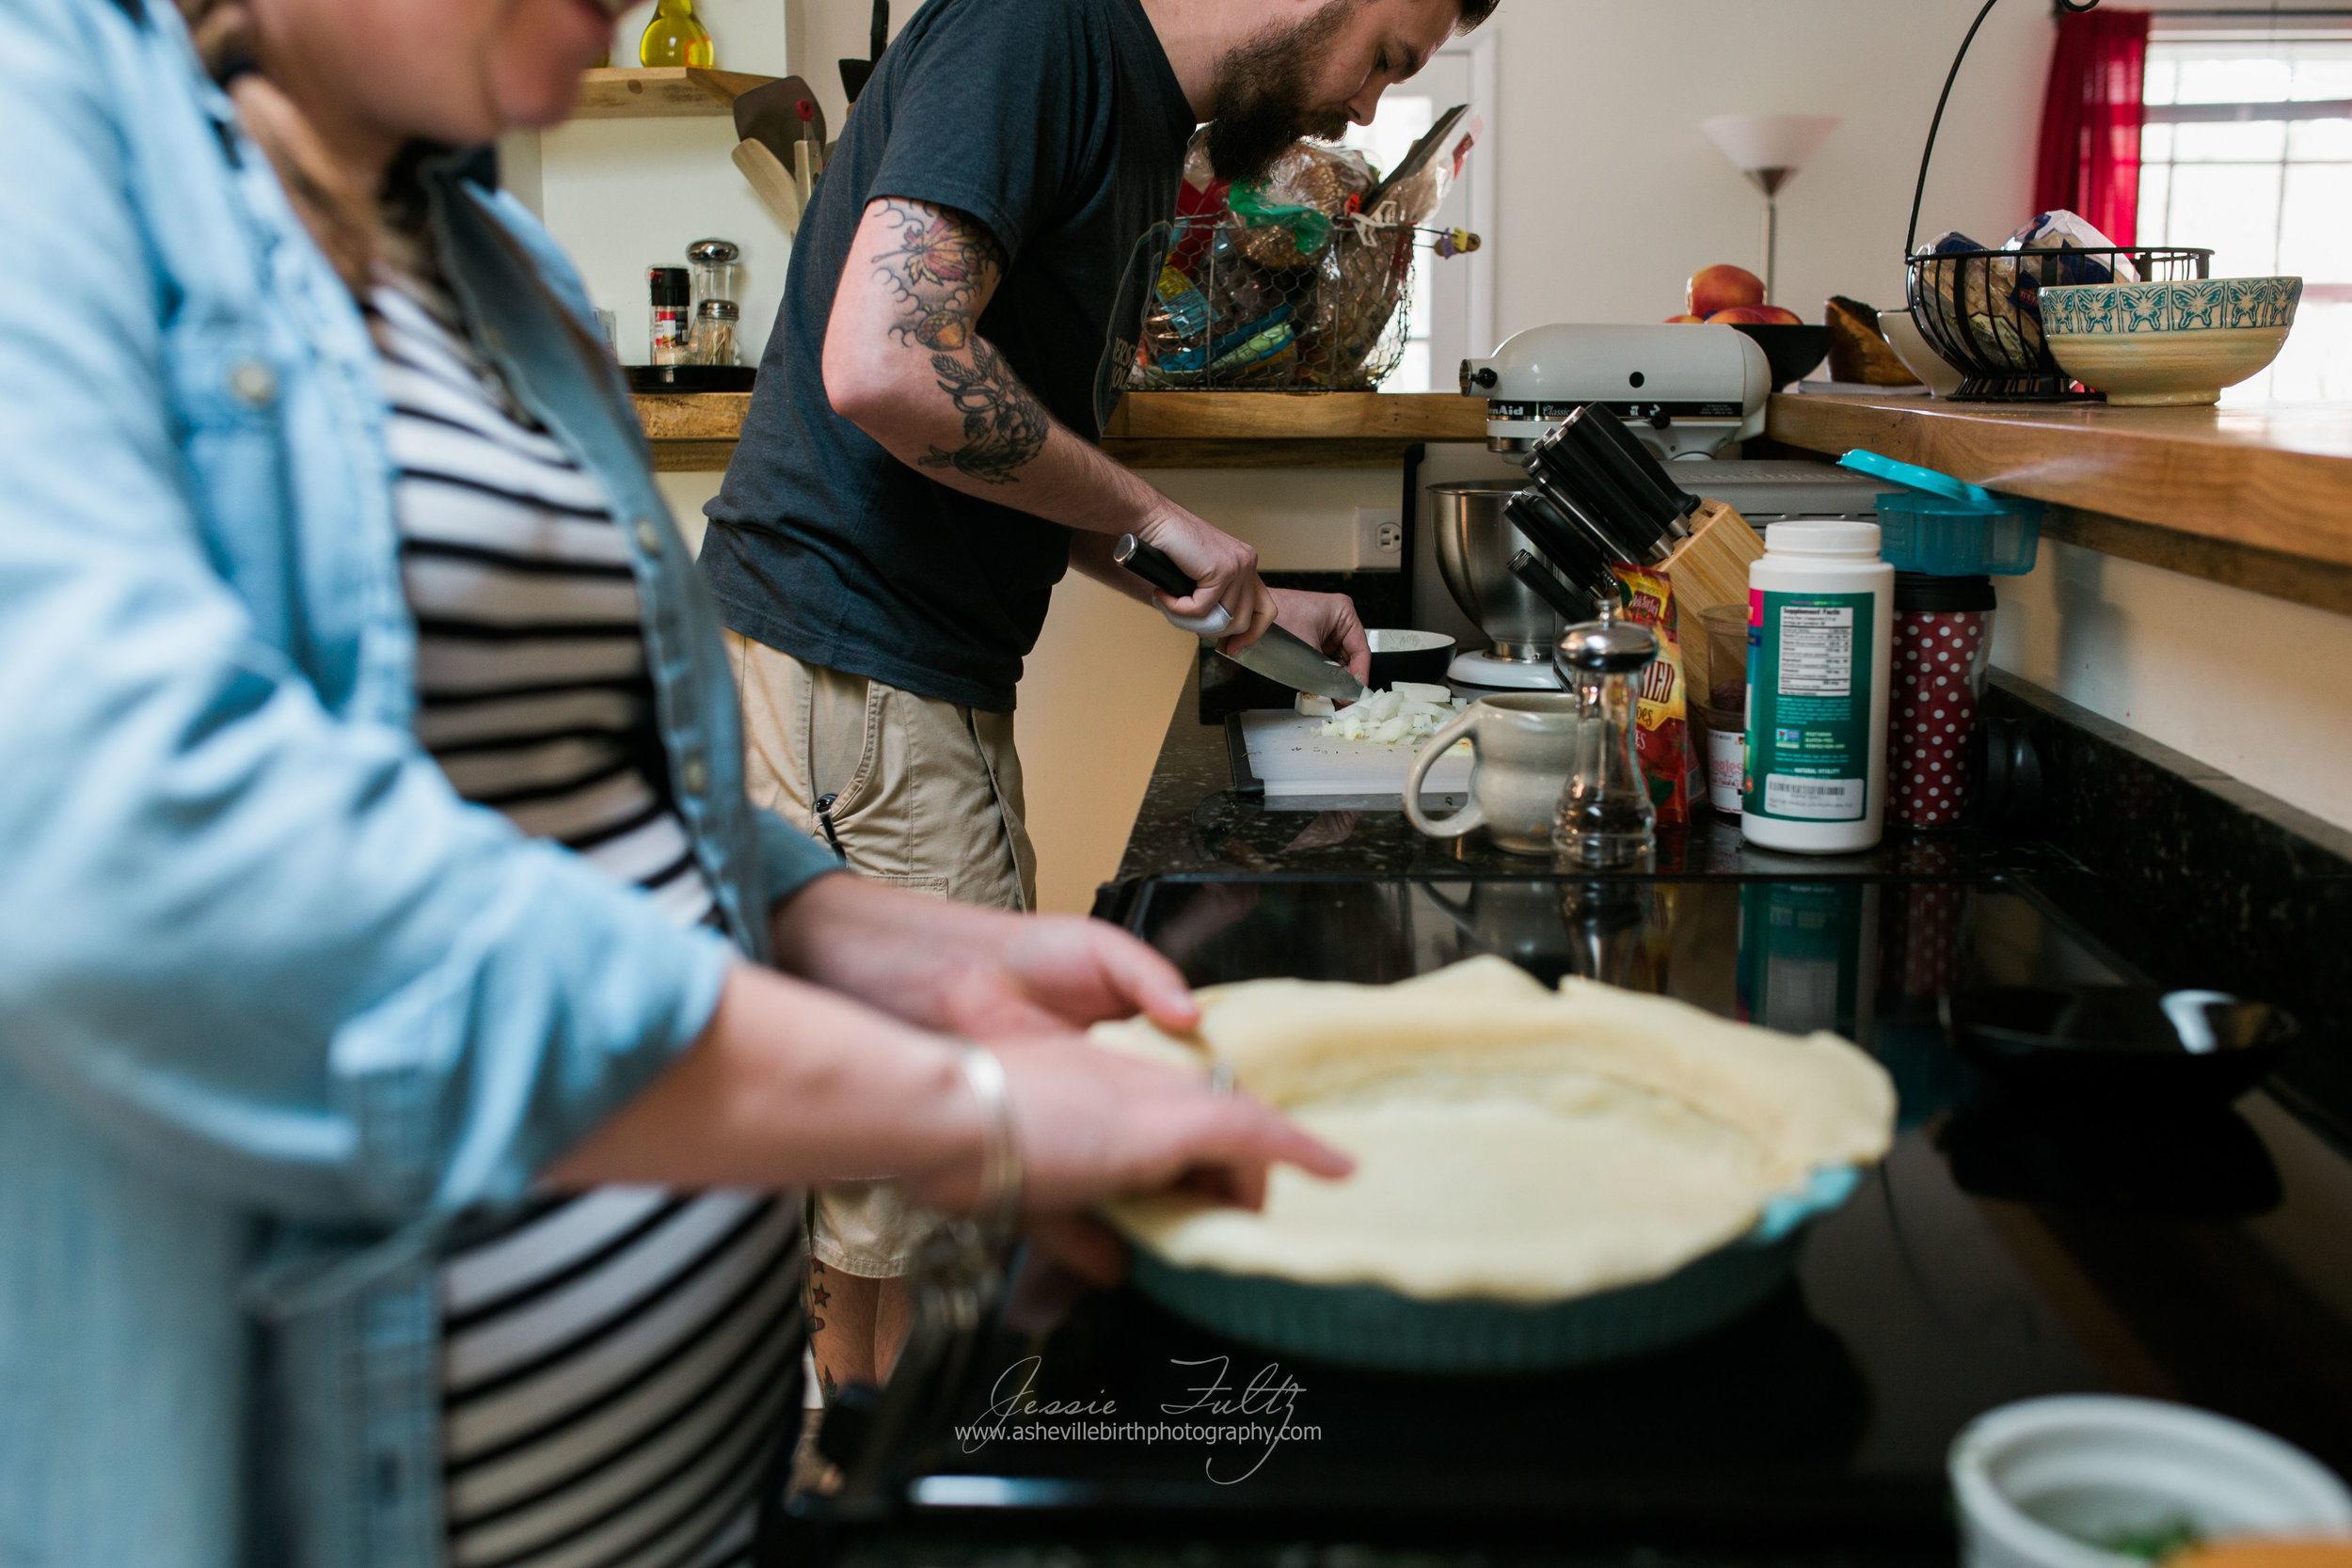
{"x":1662,"y":741}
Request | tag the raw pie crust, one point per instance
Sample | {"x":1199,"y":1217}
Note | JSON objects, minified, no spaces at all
{"x":1510,"y":1142}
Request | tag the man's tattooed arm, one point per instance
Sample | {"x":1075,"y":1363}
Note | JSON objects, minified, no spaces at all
{"x":1004,"y":424}
{"x":941,"y":269}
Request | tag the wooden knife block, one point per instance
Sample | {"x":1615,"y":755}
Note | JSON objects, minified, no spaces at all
{"x":1709,"y":568}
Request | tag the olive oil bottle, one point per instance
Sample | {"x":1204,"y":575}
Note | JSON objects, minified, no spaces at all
{"x":676,"y":36}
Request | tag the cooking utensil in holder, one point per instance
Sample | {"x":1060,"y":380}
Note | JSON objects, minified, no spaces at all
{"x":1980,"y":310}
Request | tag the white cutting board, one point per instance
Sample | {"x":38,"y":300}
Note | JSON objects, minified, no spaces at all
{"x":1303,"y":771}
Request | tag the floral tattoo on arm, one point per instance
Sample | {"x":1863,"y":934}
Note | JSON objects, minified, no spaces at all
{"x":941,"y":272}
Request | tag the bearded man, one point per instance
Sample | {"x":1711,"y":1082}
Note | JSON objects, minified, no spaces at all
{"x":918,"y":466}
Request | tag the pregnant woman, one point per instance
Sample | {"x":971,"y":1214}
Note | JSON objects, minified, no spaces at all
{"x":410,"y":1042}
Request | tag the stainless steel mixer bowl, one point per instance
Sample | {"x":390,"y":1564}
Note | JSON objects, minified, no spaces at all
{"x":1475,"y":543}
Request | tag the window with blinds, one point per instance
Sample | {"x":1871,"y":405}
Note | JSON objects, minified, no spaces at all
{"x":2248,"y":149}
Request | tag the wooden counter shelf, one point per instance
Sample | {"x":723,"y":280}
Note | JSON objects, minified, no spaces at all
{"x":2259,"y":497}
{"x":1285,"y":430}
{"x":1158,"y":430}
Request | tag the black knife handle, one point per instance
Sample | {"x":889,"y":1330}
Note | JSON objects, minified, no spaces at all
{"x":1575,"y":515}
{"x":1648,"y":462}
{"x":1572,"y":607}
{"x":1633,"y":517}
{"x":1660,"y":500}
{"x":1563,"y":548}
{"x":1153,"y":566}
{"x":1562,"y":456}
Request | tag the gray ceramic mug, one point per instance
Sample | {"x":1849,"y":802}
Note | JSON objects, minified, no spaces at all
{"x":1523,"y":746}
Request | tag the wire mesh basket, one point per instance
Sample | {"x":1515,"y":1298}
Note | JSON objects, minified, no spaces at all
{"x":1981,"y":310}
{"x":1274,"y":305}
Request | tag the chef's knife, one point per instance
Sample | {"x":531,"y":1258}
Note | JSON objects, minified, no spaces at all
{"x":1279,"y":655}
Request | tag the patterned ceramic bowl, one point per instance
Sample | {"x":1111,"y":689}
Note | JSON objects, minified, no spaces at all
{"x":2178,"y":343}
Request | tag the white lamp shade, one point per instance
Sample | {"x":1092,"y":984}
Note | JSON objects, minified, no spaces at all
{"x":1770,"y":141}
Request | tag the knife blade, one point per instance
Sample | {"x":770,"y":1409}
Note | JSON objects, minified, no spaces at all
{"x":1278,"y":654}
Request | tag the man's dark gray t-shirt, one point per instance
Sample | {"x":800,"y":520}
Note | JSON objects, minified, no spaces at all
{"x":1060,"y":126}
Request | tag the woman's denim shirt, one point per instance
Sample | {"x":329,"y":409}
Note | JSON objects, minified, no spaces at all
{"x":275,"y":1005}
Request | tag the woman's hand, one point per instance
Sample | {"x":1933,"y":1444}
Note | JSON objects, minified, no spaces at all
{"x":1093,"y":1124}
{"x":982,"y":973}
{"x":790,"y":1085}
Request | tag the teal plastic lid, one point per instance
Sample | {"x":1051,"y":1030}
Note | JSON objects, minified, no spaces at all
{"x":1916,"y":477}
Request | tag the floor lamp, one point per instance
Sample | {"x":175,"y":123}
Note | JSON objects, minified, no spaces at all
{"x":1769,"y":149}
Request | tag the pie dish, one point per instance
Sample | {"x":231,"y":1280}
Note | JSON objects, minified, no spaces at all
{"x":1543,"y":1178}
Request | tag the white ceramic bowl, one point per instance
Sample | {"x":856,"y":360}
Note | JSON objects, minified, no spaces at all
{"x":2039,"y":1481}
{"x":1910,"y":344}
{"x":2169,"y":343}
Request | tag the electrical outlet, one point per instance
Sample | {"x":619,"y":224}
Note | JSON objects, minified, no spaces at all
{"x":1379,"y":537}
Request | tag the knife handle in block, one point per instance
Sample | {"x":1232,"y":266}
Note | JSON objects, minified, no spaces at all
{"x":1153,"y":566}
{"x":1571,"y":606}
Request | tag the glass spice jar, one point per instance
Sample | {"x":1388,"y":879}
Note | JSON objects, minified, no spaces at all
{"x":714,"y":331}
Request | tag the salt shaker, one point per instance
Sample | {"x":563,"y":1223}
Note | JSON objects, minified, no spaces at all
{"x":714,"y":263}
{"x":1607,"y":821}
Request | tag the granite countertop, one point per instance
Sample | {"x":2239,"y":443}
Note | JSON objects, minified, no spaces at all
{"x":1191,"y":821}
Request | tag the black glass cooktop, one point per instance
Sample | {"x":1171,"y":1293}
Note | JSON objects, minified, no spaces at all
{"x":2005,"y":1249}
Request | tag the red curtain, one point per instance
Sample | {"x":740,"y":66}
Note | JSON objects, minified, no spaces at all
{"x":2088,"y":160}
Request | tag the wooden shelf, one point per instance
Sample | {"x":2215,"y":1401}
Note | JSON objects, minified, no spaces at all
{"x":661,"y":92}
{"x":2257,"y":498}
{"x":1158,"y":430}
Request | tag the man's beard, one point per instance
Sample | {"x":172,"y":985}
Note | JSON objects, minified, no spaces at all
{"x":1262,"y":101}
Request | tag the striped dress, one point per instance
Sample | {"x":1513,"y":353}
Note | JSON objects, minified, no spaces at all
{"x":618,"y":1367}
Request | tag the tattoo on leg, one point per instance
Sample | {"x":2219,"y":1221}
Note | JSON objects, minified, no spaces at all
{"x":1004,"y":424}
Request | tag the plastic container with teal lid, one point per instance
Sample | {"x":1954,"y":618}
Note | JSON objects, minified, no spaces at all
{"x":1821,"y":652}
{"x":1948,"y":527}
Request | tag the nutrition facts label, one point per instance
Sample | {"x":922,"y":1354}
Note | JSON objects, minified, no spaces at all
{"x":1816,"y":649}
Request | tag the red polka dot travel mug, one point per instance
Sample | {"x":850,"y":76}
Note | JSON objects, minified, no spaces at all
{"x":1943,"y":638}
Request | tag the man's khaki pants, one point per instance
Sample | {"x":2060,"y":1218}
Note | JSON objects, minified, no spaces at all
{"x":925,"y":795}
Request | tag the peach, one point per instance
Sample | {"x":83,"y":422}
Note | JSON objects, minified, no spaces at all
{"x":1722,"y":287}
{"x":1672,"y":321}
{"x":1753,"y":315}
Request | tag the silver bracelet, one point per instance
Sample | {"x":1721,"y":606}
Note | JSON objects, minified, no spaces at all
{"x":999,"y":1203}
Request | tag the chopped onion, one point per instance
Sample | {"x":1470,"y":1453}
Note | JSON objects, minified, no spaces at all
{"x":1407,"y":711}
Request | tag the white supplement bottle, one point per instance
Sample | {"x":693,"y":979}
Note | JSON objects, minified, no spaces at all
{"x":1820,"y":643}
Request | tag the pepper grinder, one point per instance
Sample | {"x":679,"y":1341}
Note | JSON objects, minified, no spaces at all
{"x":1606,"y":821}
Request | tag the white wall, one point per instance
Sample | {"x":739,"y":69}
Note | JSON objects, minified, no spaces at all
{"x":2249,"y":684}
{"x":1610,"y":196}
{"x":622,"y":195}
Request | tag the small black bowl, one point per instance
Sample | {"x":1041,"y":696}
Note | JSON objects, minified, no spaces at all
{"x":1409,"y":655}
{"x":2120,"y":1042}
{"x":1793,"y":352}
